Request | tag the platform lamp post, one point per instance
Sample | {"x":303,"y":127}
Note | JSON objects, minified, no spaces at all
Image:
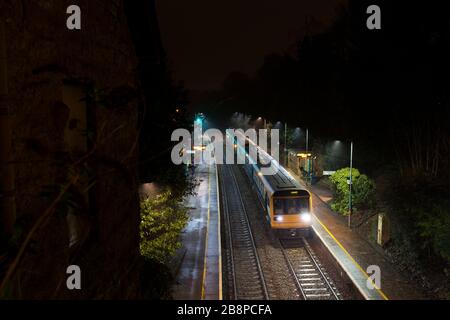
{"x":285,"y":145}
{"x":308,"y":157}
{"x":307,"y":138}
{"x":350,"y":182}
{"x":264,"y":121}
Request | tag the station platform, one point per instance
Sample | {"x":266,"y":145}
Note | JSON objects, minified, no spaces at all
{"x":354,"y":254}
{"x":197,"y":266}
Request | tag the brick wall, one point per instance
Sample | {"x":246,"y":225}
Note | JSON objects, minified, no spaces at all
{"x":43,"y":56}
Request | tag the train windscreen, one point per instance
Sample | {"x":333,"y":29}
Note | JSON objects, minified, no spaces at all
{"x":291,"y":205}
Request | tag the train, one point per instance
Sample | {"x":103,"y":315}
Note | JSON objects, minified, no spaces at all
{"x":287,"y":205}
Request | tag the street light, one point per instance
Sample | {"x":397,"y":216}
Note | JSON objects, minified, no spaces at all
{"x":308,"y":159}
{"x":264,"y":121}
{"x":307,"y":138}
{"x":285,"y":145}
{"x":199,"y":118}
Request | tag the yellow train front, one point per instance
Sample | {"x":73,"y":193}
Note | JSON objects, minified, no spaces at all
{"x":290,"y":213}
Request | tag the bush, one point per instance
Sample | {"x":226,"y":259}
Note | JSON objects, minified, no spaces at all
{"x":434,"y":228}
{"x":362,"y":190}
{"x":427,"y":213}
{"x":156,"y":280}
{"x":162,"y":220}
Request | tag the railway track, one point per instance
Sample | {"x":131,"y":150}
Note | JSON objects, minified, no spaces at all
{"x":311,"y":278}
{"x":244,"y":268}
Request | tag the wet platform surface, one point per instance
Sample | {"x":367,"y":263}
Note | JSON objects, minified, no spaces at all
{"x":354,"y":254}
{"x":198,"y":273}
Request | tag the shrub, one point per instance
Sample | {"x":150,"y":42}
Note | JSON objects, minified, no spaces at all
{"x":428,"y":216}
{"x":362,"y":190}
{"x":162,"y":220}
{"x":156,"y":280}
{"x":434,"y":228}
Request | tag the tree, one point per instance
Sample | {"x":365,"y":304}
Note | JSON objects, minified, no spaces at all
{"x":362,"y":190}
{"x":162,"y":220}
{"x":434,"y":229}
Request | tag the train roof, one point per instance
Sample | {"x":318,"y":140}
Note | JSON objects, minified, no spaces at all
{"x":282,"y":183}
{"x":282,"y":180}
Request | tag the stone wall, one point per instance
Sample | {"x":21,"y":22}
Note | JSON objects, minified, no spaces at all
{"x":44,"y":59}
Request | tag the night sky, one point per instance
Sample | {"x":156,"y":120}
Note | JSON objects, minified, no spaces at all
{"x":206,"y":40}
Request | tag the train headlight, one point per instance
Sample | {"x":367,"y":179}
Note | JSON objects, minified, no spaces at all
{"x":306,"y":217}
{"x":278,"y":218}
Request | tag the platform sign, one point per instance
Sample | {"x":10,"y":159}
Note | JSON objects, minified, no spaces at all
{"x":380,"y":230}
{"x":328,"y":173}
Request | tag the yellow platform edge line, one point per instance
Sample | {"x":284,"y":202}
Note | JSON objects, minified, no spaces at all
{"x":353,"y":260}
{"x":218,"y":234}
{"x":207,"y":234}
